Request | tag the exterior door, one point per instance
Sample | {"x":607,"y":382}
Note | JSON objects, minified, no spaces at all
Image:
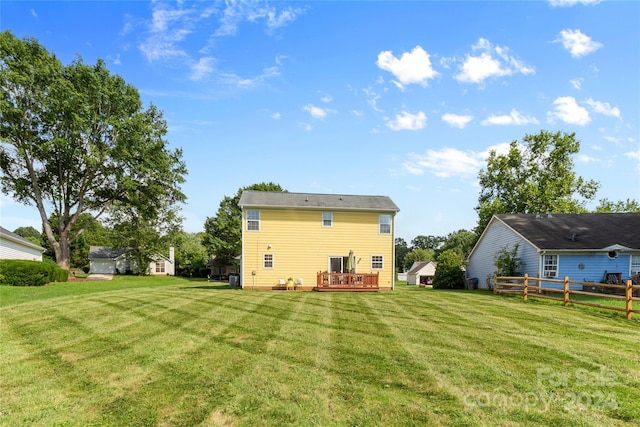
{"x":335,"y":264}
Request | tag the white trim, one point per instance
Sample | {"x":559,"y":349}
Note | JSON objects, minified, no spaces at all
{"x":272,"y":260}
{"x":252,"y":220}
{"x":381,"y":261}
{"x":390,"y":224}
{"x":330,"y":214}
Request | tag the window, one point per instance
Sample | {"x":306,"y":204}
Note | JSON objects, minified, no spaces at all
{"x":267,"y":261}
{"x":635,"y":264}
{"x":253,"y":220}
{"x":160,"y":267}
{"x":550,"y":267}
{"x":385,"y":224}
{"x":327,"y":219}
{"x":377,"y":262}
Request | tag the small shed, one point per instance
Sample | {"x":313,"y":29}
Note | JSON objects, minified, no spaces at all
{"x":421,"y":273}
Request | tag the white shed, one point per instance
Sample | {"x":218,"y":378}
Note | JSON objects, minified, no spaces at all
{"x":421,"y":272}
{"x":13,"y":246}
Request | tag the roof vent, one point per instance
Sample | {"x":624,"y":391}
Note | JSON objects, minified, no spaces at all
{"x":340,"y":197}
{"x":306,"y":199}
{"x":573,"y":234}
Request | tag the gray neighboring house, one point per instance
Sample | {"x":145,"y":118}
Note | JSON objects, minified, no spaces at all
{"x":585,"y":247}
{"x":108,"y":260}
{"x":421,"y":273}
{"x":13,"y":246}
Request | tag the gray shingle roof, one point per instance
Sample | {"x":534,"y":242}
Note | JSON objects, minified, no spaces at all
{"x":105,"y":252}
{"x":589,"y":231}
{"x":254,"y":199}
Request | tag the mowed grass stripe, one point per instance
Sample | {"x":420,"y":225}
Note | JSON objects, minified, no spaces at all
{"x":193,"y":354}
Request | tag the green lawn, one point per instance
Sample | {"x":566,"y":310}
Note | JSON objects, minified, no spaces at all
{"x":148,"y":351}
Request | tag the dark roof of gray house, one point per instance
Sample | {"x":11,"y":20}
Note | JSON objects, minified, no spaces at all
{"x":105,"y":252}
{"x":251,"y":199}
{"x":577,"y":231}
{"x":8,"y":235}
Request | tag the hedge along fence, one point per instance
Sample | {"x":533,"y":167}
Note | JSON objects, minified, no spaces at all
{"x":15,"y":272}
{"x":521,"y":285}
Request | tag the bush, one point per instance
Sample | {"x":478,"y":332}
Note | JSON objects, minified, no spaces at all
{"x":448,"y":273}
{"x":30,"y":273}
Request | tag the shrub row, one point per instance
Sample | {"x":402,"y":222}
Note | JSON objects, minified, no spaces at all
{"x":15,"y":272}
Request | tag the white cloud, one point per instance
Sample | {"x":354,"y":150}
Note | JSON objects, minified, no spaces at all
{"x":576,"y":83}
{"x":236,"y":12}
{"x":33,"y":13}
{"x":202,"y":68}
{"x":455,"y":120}
{"x":316,"y":112}
{"x":569,"y":3}
{"x":444,"y":163}
{"x":603,"y":108}
{"x":633,"y":154}
{"x":577,"y":43}
{"x":491,"y":62}
{"x":412,"y":67}
{"x":275,"y":116}
{"x":583,"y":158}
{"x":568,"y":110}
{"x":246,"y":83}
{"x":408,"y":121}
{"x":513,"y":118}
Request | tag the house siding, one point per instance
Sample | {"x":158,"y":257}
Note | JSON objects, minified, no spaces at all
{"x":301,"y":246}
{"x":594,"y":265}
{"x":496,"y":237}
{"x":14,"y":250}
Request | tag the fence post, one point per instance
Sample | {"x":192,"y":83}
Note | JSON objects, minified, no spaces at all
{"x":525,"y":285}
{"x":566,"y":291}
{"x":629,"y":294}
{"x":495,"y":280}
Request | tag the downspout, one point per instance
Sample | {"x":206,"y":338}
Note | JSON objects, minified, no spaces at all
{"x":393,"y":251}
{"x":242,"y":249}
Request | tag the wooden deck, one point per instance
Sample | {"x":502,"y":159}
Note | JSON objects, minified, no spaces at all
{"x":347,"y":282}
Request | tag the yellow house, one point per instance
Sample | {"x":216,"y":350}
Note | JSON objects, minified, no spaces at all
{"x":311,"y":241}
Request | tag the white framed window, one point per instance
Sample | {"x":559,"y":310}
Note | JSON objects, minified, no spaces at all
{"x":267,"y":261}
{"x":253,"y":220}
{"x":550,"y":266}
{"x":635,"y":265}
{"x":160,"y":267}
{"x":385,"y":224}
{"x":377,"y":262}
{"x":327,"y":219}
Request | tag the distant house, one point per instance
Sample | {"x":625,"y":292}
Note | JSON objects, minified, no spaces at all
{"x":421,"y":273}
{"x":317,"y":239}
{"x":584,"y":247}
{"x":13,"y":246}
{"x":108,"y":260}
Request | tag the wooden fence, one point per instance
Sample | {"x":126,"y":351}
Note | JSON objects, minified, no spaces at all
{"x":533,"y":286}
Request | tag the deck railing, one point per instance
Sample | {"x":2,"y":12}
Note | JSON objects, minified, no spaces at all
{"x":347,"y":280}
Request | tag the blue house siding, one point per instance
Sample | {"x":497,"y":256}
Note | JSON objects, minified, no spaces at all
{"x":582,"y":243}
{"x":594,"y":265}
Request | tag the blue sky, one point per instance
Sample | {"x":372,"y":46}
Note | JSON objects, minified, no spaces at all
{"x":403,"y":99}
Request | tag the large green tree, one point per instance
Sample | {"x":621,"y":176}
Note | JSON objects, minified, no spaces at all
{"x":76,"y":139}
{"x":427,"y":242}
{"x":224,"y":231}
{"x":626,"y":206}
{"x":461,"y":242}
{"x":535,"y":176}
